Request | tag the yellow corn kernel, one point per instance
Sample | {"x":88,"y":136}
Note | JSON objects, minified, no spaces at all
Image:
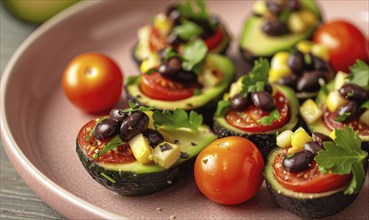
{"x":298,"y":140}
{"x":310,"y":111}
{"x":301,"y":20}
{"x":276,"y":74}
{"x":163,"y":24}
{"x":259,"y":7}
{"x":151,"y":120}
{"x":308,"y":17}
{"x":304,"y":46}
{"x":340,"y":79}
{"x":141,"y":149}
{"x":334,"y":101}
{"x":152,"y":61}
{"x":333,"y":135}
{"x":284,"y":139}
{"x":320,"y":51}
{"x":279,"y":60}
{"x":279,"y":67}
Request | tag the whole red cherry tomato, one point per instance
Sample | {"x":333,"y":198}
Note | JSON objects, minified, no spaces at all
{"x":345,"y":43}
{"x":229,"y":170}
{"x":92,"y":82}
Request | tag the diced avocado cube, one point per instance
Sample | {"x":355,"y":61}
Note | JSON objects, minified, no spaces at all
{"x":166,"y":154}
{"x":310,"y":111}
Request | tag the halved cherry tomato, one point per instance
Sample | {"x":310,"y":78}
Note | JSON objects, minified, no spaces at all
{"x":122,"y":154}
{"x":331,"y":123}
{"x":229,"y":170}
{"x":309,"y":181}
{"x":345,"y":43}
{"x":92,"y":82}
{"x":247,"y":120}
{"x":214,"y":41}
{"x":157,"y":87}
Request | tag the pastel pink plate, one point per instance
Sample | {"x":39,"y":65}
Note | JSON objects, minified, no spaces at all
{"x":39,"y":125}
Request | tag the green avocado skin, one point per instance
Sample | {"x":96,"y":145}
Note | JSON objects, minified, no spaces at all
{"x":132,"y":184}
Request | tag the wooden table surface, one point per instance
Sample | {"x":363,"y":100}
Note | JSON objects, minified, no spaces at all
{"x":17,"y":201}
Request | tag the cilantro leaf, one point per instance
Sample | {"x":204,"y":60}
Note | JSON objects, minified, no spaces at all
{"x":111,"y":145}
{"x":365,"y":105}
{"x":89,"y":135}
{"x":259,"y":73}
{"x":193,"y":54}
{"x":344,"y":156}
{"x":222,"y":106}
{"x":343,"y":117}
{"x":187,"y":30}
{"x":169,"y":52}
{"x":178,"y":119}
{"x":268,"y":120}
{"x":188,"y":10}
{"x":359,"y":73}
{"x":133,"y":107}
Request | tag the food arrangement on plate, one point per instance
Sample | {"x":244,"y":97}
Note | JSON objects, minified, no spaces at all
{"x":188,"y":113}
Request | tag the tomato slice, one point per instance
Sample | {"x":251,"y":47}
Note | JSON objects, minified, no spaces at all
{"x":216,"y":39}
{"x":156,"y":40}
{"x":122,"y":154}
{"x":309,"y":181}
{"x":247,"y":120}
{"x":331,"y":123}
{"x":157,"y":87}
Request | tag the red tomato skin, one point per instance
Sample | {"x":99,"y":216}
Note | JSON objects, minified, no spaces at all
{"x":93,"y":82}
{"x":216,"y":39}
{"x":229,"y":170}
{"x":345,"y":42}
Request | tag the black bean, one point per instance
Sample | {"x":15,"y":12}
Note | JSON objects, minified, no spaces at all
{"x":313,"y":147}
{"x":289,"y":81}
{"x":350,"y":109}
{"x":274,"y":7}
{"x":239,"y":102}
{"x":118,"y":115}
{"x":310,"y":81}
{"x":170,"y":67}
{"x":319,"y":64}
{"x":298,"y":162}
{"x":320,"y":137}
{"x":153,"y":137}
{"x":296,"y":62}
{"x":184,"y":77}
{"x":354,"y":92}
{"x":274,"y":28}
{"x":294,"y":5}
{"x":263,"y":100}
{"x":136,"y":123}
{"x":105,"y":129}
{"x":268,"y":88}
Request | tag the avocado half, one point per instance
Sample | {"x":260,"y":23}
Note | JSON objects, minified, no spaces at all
{"x":319,"y":126}
{"x":220,"y":49}
{"x":265,"y":141}
{"x":133,"y":178}
{"x":204,"y":103}
{"x":306,"y":205}
{"x":254,"y":43}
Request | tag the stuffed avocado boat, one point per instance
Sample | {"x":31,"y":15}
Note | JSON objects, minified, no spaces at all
{"x":256,"y":110}
{"x":138,"y":151}
{"x":180,"y":24}
{"x":191,"y":79}
{"x":315,"y":177}
{"x":342,"y":102}
{"x":276,"y":26}
{"x":305,"y":69}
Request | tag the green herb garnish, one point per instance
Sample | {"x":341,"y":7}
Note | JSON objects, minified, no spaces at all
{"x":89,"y":135}
{"x":259,"y":74}
{"x":108,"y":177}
{"x":365,"y":105}
{"x":359,"y":73}
{"x":344,"y":156}
{"x":169,"y":53}
{"x":151,"y":71}
{"x":189,"y":10}
{"x":133,"y":107}
{"x":307,"y":59}
{"x":194,"y":54}
{"x":111,"y":145}
{"x":197,"y":92}
{"x":222,"y":106}
{"x":343,"y":117}
{"x":178,"y":119}
{"x":187,"y":30}
{"x":268,"y":120}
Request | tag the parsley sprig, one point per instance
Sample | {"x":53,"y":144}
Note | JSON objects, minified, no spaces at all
{"x":344,"y":156}
{"x":133,"y":107}
{"x":178,"y":119}
{"x":196,"y":11}
{"x":359,"y":74}
{"x":187,"y":30}
{"x":268,"y":120}
{"x":258,"y":76}
{"x":111,"y":145}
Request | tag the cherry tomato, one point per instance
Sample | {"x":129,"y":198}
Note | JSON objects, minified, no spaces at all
{"x":92,"y":82}
{"x":214,"y":41}
{"x":331,"y":123}
{"x":247,"y":120}
{"x":309,"y":181}
{"x":157,"y":87}
{"x":345,"y":43}
{"x":229,"y":170}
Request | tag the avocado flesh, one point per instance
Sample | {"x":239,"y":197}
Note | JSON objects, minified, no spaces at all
{"x":204,"y":103}
{"x":36,"y":11}
{"x":319,"y":126}
{"x":265,"y":141}
{"x":220,"y":49}
{"x":258,"y":44}
{"x":306,"y":205}
{"x":136,"y":179}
